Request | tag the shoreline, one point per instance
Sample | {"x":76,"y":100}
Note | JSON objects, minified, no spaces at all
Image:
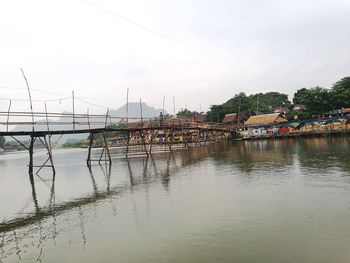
{"x":297,"y":135}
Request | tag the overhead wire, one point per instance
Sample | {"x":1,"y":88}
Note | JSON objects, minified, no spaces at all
{"x":92,"y":104}
{"x":61,"y":94}
{"x":35,"y":100}
{"x":181,"y":43}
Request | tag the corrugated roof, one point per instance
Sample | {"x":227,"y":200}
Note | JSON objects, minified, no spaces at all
{"x":265,"y":119}
{"x":230,"y":117}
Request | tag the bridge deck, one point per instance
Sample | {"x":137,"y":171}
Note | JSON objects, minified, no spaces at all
{"x":100,"y":130}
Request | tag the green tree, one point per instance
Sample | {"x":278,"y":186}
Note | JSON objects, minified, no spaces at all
{"x":340,"y":94}
{"x":247,"y":105}
{"x":317,"y":100}
{"x":185,"y":113}
{"x":276,"y":99}
{"x":216,"y":113}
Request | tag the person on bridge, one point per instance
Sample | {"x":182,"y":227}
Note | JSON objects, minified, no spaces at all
{"x":161,"y":119}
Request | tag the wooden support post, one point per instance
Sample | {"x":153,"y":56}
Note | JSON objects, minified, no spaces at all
{"x":127,"y":145}
{"x":206,"y":136}
{"x":143,"y":142}
{"x":99,"y":160}
{"x":107,"y":149}
{"x":30,"y":99}
{"x":88,"y":118}
{"x":141,"y":131}
{"x":107,"y":114}
{"x":172,"y":137}
{"x":169,"y":142}
{"x":88,"y":161}
{"x":186,"y":140}
{"x":46,"y":142}
{"x":49,"y":151}
{"x":8,"y":117}
{"x":152,"y":138}
{"x":31,"y":151}
{"x":164,"y":139}
{"x":198,"y":137}
{"x":73,"y":111}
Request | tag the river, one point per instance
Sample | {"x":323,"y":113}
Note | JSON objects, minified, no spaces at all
{"x":245,"y":201}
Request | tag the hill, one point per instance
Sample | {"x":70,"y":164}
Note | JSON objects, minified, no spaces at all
{"x":135,"y":111}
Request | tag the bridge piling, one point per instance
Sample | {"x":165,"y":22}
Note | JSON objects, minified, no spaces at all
{"x":143,"y":141}
{"x":127,"y":145}
{"x":165,"y":133}
{"x":31,"y":151}
{"x":91,"y":141}
{"x":106,"y":147}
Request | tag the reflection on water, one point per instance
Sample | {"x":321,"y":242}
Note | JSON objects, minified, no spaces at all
{"x":318,"y":153}
{"x":240,"y":201}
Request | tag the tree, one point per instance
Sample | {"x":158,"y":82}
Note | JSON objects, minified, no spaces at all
{"x":276,"y":99}
{"x":185,"y":113}
{"x":2,"y":141}
{"x":216,"y":113}
{"x":317,"y":100}
{"x":340,"y":94}
{"x":247,"y":105}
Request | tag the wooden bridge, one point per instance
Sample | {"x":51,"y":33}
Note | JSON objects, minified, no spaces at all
{"x":105,"y":131}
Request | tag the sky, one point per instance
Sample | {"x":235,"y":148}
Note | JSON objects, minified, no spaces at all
{"x":198,"y":53}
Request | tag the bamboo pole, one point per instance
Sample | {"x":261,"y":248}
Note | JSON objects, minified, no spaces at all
{"x":127,"y":145}
{"x":31,"y":146}
{"x":47,"y":119}
{"x":73,"y":111}
{"x":30,"y":97}
{"x":141,"y":131}
{"x":127,"y":107}
{"x":107,"y":149}
{"x":8,"y":117}
{"x":88,"y":161}
{"x":88,"y":117}
{"x":48,"y":147}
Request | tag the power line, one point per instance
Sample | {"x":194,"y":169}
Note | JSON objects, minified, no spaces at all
{"x":26,"y":100}
{"x":61,"y":94}
{"x":92,"y":104}
{"x":7,"y":87}
{"x":171,"y":39}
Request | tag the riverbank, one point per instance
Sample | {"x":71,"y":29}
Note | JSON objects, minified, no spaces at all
{"x":297,"y":134}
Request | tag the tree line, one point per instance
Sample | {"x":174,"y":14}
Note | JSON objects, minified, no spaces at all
{"x":317,"y":100}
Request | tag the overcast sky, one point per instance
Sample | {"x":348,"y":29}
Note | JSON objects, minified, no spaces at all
{"x":202,"y":52}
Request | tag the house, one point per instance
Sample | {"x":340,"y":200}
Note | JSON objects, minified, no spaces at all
{"x":261,"y":125}
{"x":346,"y":111}
{"x":265,"y":119}
{"x":233,"y":118}
{"x":299,"y":107}
{"x":198,"y":117}
{"x":281,"y":110}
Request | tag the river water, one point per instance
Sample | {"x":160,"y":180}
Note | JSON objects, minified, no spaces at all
{"x":245,"y":201}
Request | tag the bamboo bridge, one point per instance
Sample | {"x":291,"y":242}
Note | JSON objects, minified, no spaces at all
{"x":105,"y":131}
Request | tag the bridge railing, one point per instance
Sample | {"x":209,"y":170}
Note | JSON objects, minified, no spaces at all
{"x":42,"y":121}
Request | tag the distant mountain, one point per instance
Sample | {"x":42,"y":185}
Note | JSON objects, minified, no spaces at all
{"x":135,"y":111}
